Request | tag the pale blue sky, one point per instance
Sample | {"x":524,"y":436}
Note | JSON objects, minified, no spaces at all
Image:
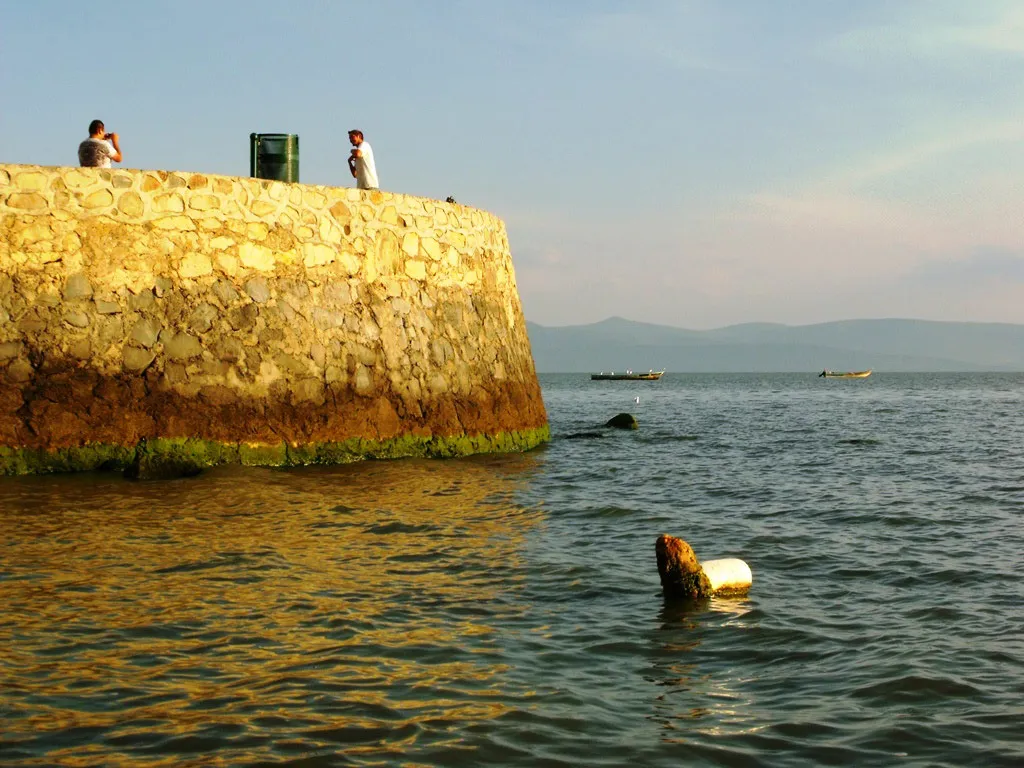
{"x":691,"y":163}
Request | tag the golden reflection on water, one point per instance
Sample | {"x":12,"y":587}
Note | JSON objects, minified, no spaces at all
{"x":360,"y":596}
{"x":690,"y":702}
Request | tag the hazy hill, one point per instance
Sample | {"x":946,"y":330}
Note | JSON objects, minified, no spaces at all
{"x":882,"y":345}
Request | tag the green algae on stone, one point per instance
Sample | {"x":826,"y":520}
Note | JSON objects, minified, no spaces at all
{"x":693,"y":586}
{"x":81,"y":458}
{"x":167,"y":457}
{"x":263,"y":455}
{"x":410,"y":446}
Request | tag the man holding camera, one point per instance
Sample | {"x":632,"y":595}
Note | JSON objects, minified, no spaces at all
{"x":100,"y":148}
{"x":360,"y":162}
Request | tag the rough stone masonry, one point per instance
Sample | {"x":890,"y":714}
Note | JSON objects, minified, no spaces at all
{"x":162,"y":322}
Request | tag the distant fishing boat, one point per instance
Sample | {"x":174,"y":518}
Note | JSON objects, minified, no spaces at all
{"x":844,"y":374}
{"x":627,"y":376}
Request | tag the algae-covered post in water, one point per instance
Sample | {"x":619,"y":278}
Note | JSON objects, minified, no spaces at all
{"x":160,"y":322}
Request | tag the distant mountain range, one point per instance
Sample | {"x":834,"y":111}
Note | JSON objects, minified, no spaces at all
{"x":882,"y":345}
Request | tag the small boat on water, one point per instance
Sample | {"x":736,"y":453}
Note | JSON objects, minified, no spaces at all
{"x":627,"y":376}
{"x":844,"y":374}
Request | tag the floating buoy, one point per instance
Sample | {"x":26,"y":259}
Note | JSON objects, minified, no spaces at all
{"x":683,"y":576}
{"x":729,"y":574}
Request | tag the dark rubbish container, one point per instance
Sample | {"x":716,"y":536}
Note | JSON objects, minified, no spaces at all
{"x":274,"y":156}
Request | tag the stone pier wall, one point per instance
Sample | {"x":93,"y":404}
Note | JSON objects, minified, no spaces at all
{"x":160,"y":322}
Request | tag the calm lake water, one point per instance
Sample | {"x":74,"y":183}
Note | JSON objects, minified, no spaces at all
{"x":506,"y":610}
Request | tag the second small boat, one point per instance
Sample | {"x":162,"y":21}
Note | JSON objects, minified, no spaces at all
{"x":844,"y":374}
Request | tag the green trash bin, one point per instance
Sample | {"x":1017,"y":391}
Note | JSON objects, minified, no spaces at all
{"x":274,"y":156}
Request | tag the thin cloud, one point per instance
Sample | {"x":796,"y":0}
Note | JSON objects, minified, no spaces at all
{"x":885,"y":231}
{"x":938,"y":31}
{"x":930,"y":151}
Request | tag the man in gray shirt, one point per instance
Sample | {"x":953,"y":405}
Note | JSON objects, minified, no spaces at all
{"x":100,"y":148}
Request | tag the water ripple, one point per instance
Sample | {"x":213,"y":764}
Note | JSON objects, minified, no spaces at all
{"x":506,"y":610}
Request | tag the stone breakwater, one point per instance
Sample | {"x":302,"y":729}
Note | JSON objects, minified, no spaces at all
{"x":161,"y":322}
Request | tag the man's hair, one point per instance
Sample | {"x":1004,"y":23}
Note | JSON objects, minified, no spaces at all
{"x":95,"y":127}
{"x":356,"y":133}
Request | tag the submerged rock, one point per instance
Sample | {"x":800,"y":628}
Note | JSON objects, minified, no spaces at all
{"x":623,"y":421}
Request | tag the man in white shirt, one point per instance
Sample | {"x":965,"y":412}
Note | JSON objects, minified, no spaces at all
{"x":360,"y":162}
{"x":100,"y":148}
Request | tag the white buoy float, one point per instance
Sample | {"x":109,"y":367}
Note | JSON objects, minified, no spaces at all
{"x":729,"y":574}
